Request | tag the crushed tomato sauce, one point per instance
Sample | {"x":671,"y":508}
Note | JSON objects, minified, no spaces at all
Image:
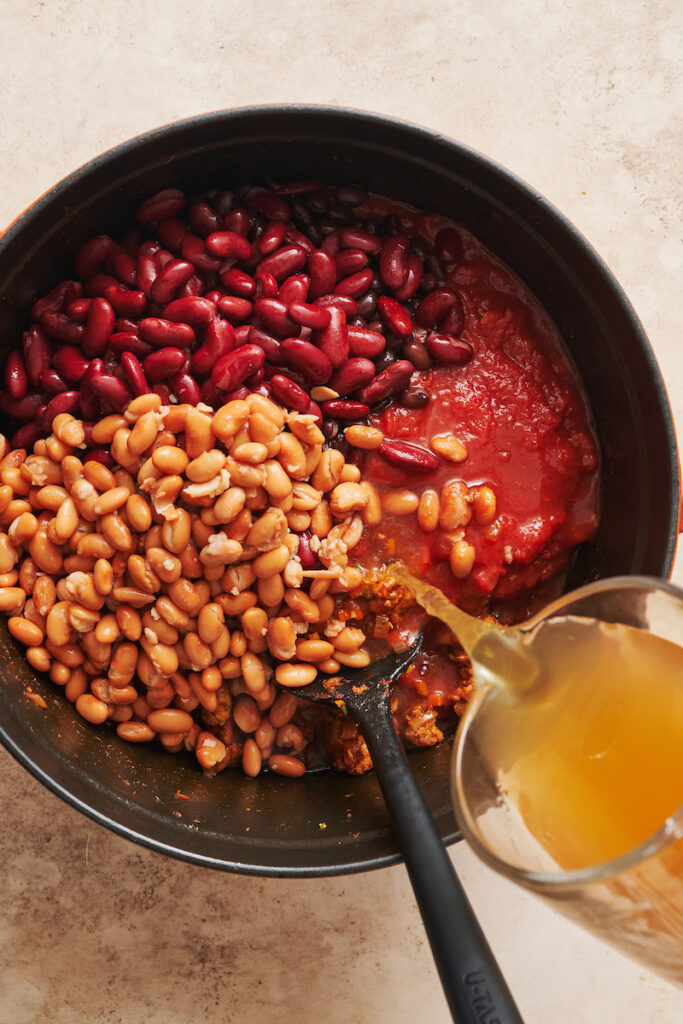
{"x":518,"y":408}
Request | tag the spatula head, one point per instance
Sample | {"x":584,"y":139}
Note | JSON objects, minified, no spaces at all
{"x":360,"y":687}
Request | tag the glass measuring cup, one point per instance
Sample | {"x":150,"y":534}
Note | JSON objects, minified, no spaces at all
{"x":572,"y":844}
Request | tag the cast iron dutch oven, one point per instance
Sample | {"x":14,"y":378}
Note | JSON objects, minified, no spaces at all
{"x":328,"y":823}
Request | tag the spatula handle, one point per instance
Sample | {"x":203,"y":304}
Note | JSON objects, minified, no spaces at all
{"x":473,"y":984}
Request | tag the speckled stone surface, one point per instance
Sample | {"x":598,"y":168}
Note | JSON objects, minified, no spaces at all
{"x":584,"y":101}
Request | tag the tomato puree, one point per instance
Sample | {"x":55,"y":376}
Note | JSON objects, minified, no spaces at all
{"x":517,"y":409}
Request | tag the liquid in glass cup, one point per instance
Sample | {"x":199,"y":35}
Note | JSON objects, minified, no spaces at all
{"x":569,"y":779}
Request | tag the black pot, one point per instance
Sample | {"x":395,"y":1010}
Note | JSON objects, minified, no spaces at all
{"x":328,"y":823}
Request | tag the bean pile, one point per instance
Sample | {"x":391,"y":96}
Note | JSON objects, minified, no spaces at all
{"x":293,"y":291}
{"x":165,"y":592}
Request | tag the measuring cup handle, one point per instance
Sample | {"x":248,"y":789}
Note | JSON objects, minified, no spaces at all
{"x":473,"y":984}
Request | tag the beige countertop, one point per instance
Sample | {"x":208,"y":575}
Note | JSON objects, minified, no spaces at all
{"x":585,"y":102}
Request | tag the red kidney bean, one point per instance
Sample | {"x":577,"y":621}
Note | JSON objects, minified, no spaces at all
{"x":269,"y":371}
{"x":345,"y":409}
{"x":88,"y":426}
{"x":385,"y":359}
{"x":284,"y":262}
{"x":174,"y":275}
{"x":127,"y":341}
{"x":167,"y":203}
{"x":307,"y":557}
{"x":59,"y":327}
{"x":268,"y":204}
{"x":234,"y":307}
{"x":266,"y":285}
{"x":355,"y":284}
{"x":147,"y":267}
{"x":411,"y":457}
{"x":218,"y":342}
{"x":350,"y":261}
{"x":191,"y":309}
{"x":58,"y":299}
{"x":359,"y":238}
{"x":52,"y":383}
{"x":185,"y":388}
{"x":212,"y":395}
{"x":160,"y":332}
{"x":110,"y":389}
{"x":333,"y":340}
{"x":292,"y":235}
{"x":364,"y":342}
{"x":414,"y":398}
{"x":26,"y":436}
{"x":308,"y":315}
{"x":192,"y":287}
{"x":448,"y":245}
{"x":242,"y":334}
{"x":37,"y":353}
{"x":434,"y":307}
{"x":447,"y":349}
{"x":134,"y":374}
{"x":122,"y":265}
{"x":228,"y":244}
{"x":389,"y":382}
{"x":164,"y":363}
{"x":78,"y":310}
{"x":193,"y":249}
{"x":203,"y":219}
{"x":66,"y":401}
{"x":90,"y":405}
{"x":98,"y":284}
{"x":354,"y":374}
{"x":272,"y":236}
{"x":23,"y":409}
{"x":413,"y":279}
{"x":454,"y":321}
{"x":171,"y":233}
{"x":395,"y":316}
{"x":294,"y":289}
{"x":311,"y":361}
{"x":91,"y":255}
{"x":346,"y":303}
{"x":16,"y":377}
{"x":273,"y":314}
{"x":418,"y":355}
{"x":98,"y":327}
{"x":233,"y":369}
{"x":70,"y":363}
{"x":290,"y":393}
{"x":269,"y":344}
{"x":126,"y":303}
{"x":120,"y":340}
{"x":100,"y":455}
{"x":237,"y":220}
{"x":124,"y":323}
{"x":315,"y":410}
{"x":393,"y":261}
{"x":331,"y":243}
{"x":237,"y":282}
{"x":323,"y":273}
{"x":163,"y":392}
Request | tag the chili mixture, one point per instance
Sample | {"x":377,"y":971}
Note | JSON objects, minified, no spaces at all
{"x":233,"y":420}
